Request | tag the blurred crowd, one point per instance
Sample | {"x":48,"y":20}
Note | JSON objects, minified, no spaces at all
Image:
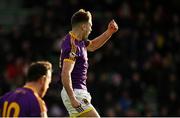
{"x":134,"y":74}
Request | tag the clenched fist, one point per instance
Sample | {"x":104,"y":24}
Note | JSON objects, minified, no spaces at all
{"x":112,"y":27}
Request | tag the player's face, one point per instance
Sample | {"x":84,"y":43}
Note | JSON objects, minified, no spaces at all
{"x":87,"y":29}
{"x":47,"y":81}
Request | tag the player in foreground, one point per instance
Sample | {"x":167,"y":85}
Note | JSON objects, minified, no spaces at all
{"x":27,"y":101}
{"x":74,"y":63}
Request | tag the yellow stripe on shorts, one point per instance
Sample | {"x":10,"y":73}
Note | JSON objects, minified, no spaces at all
{"x":78,"y":114}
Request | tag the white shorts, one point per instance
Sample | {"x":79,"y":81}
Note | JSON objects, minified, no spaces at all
{"x":83,"y":96}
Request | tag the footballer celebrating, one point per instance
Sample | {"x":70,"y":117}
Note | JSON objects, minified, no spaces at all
{"x":74,"y":63}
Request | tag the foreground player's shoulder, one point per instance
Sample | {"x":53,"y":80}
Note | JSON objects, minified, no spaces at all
{"x":35,"y":100}
{"x":7,"y":95}
{"x":21,"y":91}
{"x":24,"y":93}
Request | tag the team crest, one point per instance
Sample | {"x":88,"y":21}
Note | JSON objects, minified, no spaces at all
{"x":85,"y":101}
{"x":72,"y":55}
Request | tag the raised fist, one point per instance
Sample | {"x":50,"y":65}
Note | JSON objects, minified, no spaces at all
{"x":112,"y":27}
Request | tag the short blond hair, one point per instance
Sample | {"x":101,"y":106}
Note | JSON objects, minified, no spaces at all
{"x":80,"y":17}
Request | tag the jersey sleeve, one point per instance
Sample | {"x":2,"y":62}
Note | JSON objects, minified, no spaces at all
{"x":69,"y":50}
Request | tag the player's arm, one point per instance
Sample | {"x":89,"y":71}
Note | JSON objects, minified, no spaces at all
{"x":104,"y":37}
{"x":68,"y":66}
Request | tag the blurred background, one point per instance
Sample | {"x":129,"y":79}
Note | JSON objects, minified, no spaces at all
{"x":134,"y":74}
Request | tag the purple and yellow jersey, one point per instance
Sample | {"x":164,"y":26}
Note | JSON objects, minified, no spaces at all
{"x":23,"y":102}
{"x":74,"y":50}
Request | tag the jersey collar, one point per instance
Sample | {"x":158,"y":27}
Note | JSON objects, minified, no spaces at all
{"x":73,"y":35}
{"x":32,"y":88}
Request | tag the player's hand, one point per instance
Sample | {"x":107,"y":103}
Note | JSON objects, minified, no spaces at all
{"x":75,"y":103}
{"x":112,"y":27}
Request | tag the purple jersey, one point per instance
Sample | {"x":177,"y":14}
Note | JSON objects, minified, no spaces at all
{"x":74,"y":50}
{"x":22,"y":102}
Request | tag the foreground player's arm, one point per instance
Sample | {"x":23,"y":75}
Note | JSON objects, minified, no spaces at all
{"x":104,"y":37}
{"x":68,"y":66}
